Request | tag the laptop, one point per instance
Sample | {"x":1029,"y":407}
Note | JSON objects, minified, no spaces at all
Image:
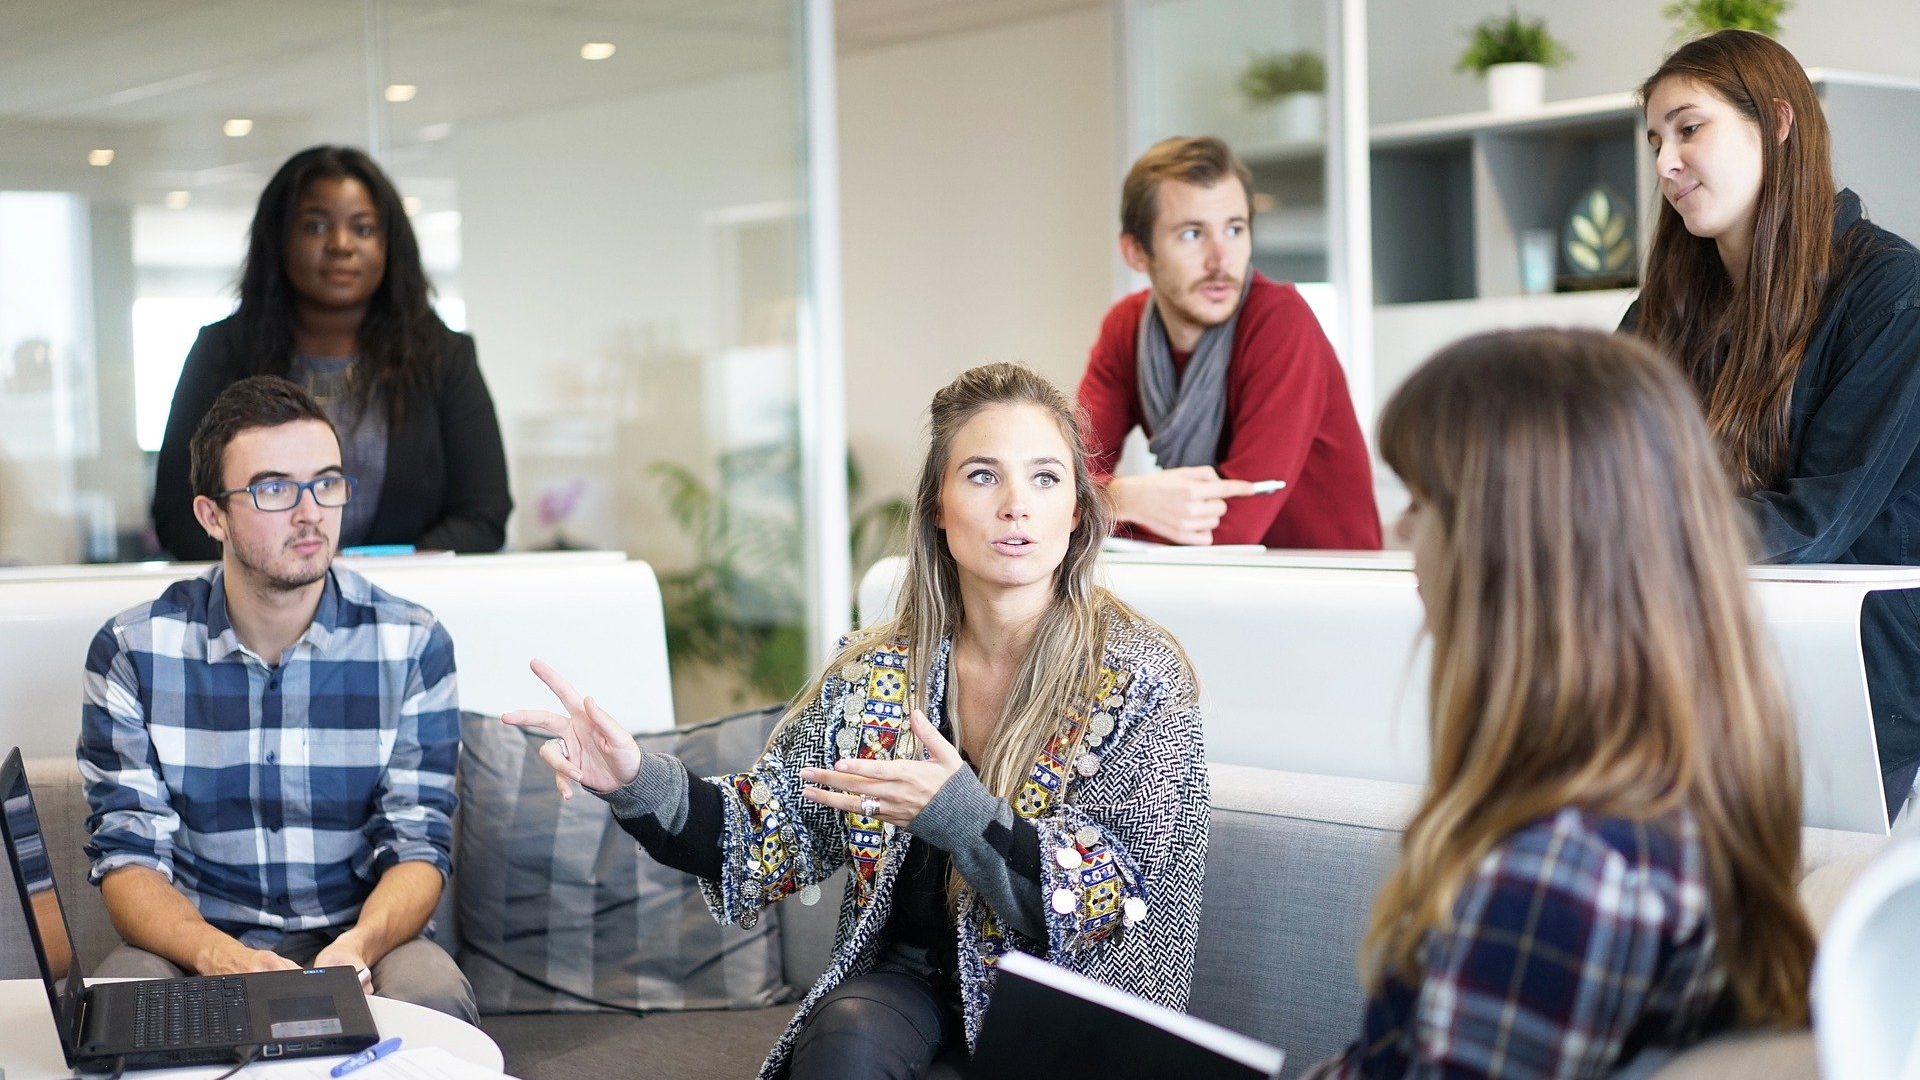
{"x":159,"y":1023}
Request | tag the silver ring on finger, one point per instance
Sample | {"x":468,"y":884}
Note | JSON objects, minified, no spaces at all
{"x":869,"y":806}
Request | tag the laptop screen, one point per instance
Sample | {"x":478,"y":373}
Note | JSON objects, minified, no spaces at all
{"x":33,"y":877}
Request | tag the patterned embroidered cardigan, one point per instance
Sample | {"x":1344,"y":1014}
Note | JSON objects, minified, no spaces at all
{"x":1123,"y":828}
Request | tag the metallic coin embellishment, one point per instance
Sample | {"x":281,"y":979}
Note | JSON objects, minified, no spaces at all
{"x":1086,"y":764}
{"x":1064,"y":901}
{"x":846,"y":740}
{"x":1102,"y":725}
{"x":1133,"y":910}
{"x":1114,"y":701}
{"x":1068,"y":858}
{"x":1086,"y":836}
{"x":759,"y":793}
{"x":810,"y":895}
{"x":750,"y":920}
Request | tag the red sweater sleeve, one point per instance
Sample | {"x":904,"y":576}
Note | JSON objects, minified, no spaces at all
{"x":1282,"y":399}
{"x":1109,"y":391}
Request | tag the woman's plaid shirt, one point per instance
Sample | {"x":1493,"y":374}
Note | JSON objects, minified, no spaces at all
{"x":1580,"y":940}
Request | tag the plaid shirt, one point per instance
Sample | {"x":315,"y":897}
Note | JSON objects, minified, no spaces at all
{"x":1580,"y":940}
{"x":272,"y":797}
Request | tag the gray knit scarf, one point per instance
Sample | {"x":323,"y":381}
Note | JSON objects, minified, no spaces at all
{"x":1185,"y":411}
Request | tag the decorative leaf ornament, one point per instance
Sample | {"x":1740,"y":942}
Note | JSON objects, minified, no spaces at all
{"x":1598,"y":239}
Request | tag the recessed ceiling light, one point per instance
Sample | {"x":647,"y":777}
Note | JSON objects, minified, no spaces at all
{"x":411,"y":204}
{"x":178,"y":200}
{"x":237,"y":128}
{"x":436,"y":132}
{"x":99,"y":159}
{"x":596,"y":50}
{"x":399,"y":92}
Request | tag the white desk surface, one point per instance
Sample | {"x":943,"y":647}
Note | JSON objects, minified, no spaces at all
{"x":31,"y":1050}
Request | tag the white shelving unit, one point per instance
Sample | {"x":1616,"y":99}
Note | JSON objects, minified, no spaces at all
{"x":1452,"y":195}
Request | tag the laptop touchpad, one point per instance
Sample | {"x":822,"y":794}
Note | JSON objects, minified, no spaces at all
{"x":303,"y":1017}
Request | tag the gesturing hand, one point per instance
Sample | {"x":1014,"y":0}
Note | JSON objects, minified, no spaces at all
{"x":589,"y":747}
{"x":1181,"y":505}
{"x":899,"y":789}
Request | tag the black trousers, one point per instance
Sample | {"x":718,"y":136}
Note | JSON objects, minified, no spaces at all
{"x":887,"y":1025}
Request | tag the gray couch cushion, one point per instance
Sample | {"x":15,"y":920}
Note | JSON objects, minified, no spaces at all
{"x":1292,"y":868}
{"x":561,"y":912}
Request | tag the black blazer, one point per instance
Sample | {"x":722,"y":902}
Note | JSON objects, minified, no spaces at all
{"x":1852,"y":490}
{"x":446,"y":482}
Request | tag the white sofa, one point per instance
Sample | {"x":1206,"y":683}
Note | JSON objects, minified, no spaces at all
{"x":595,"y":615}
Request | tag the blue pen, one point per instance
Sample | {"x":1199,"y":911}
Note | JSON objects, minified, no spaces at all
{"x":368,"y":1056}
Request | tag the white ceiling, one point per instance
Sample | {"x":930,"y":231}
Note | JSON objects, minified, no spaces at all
{"x":155,"y":79}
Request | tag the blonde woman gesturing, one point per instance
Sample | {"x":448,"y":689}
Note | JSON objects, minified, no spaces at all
{"x":1604,"y":860}
{"x":1012,"y":761}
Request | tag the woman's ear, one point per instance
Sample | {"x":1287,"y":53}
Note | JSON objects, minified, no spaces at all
{"x":1783,"y":119}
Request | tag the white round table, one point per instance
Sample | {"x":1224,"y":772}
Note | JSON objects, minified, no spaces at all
{"x":30,"y":1049}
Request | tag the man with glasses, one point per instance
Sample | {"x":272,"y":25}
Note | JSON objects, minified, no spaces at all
{"x":268,"y":748}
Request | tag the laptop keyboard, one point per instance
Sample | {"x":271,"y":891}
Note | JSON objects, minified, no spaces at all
{"x":188,"y":1012}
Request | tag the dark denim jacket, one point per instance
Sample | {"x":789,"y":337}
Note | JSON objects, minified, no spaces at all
{"x":1852,"y":493}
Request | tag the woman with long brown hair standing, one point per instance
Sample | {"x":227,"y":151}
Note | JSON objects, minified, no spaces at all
{"x":1604,"y":859}
{"x":1798,"y":322}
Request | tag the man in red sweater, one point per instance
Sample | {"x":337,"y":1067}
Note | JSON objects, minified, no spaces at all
{"x":1227,"y":372}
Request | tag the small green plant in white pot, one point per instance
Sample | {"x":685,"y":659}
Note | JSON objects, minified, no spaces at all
{"x":1513,"y":53}
{"x":1291,"y":87}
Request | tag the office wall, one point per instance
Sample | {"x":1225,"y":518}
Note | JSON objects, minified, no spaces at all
{"x":1412,"y":47}
{"x":979,"y":215}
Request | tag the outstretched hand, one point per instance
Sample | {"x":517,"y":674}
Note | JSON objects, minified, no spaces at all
{"x":900,"y":789}
{"x":588,"y":746}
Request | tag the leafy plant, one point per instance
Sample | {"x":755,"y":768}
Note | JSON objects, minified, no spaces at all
{"x":1693,"y":18}
{"x":1273,"y":75}
{"x":741,"y":607}
{"x":1511,"y":39}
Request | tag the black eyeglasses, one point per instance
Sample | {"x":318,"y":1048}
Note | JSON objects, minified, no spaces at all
{"x":279,"y":496}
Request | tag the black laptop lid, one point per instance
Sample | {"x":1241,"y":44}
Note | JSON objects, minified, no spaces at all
{"x":33,"y":877}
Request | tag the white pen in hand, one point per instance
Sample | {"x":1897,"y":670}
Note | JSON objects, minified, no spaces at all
{"x":1267,"y":487}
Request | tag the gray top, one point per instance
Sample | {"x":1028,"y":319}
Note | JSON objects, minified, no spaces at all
{"x":363,"y":437}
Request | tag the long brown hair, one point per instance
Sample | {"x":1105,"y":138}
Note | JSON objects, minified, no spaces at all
{"x":1068,"y":643}
{"x":1742,"y":345}
{"x":1593,"y":643}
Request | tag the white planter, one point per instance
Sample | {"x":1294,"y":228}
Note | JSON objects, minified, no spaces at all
{"x":1516,"y":87}
{"x":1300,"y":118}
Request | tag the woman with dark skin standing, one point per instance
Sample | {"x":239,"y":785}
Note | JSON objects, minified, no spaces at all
{"x":1798,"y":322}
{"x":333,"y":296}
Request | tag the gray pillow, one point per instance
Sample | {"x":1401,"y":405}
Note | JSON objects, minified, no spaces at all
{"x":560,"y":910}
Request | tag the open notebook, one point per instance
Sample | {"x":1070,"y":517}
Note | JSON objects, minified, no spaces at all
{"x":1047,"y":1021}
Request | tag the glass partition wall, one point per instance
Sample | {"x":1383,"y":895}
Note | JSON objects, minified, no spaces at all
{"x":610,"y":195}
{"x":1283,"y":82}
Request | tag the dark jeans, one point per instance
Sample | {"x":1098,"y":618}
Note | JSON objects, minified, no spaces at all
{"x":888,"y":1025}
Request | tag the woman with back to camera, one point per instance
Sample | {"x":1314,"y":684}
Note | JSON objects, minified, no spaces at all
{"x":1603,"y":862}
{"x":333,"y":296}
{"x":1798,"y":322}
{"x":1012,"y":761}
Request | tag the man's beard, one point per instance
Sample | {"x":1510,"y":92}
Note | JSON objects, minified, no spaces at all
{"x":263,"y":570}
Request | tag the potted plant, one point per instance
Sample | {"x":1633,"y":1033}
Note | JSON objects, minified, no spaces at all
{"x":1694,"y":18}
{"x":1514,"y":54}
{"x":1292,"y":86}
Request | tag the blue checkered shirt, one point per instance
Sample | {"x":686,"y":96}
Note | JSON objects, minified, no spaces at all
{"x":1580,"y":941}
{"x":272,"y":797}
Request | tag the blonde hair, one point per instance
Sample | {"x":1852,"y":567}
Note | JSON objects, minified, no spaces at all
{"x":1593,"y":643}
{"x":1067,"y":645}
